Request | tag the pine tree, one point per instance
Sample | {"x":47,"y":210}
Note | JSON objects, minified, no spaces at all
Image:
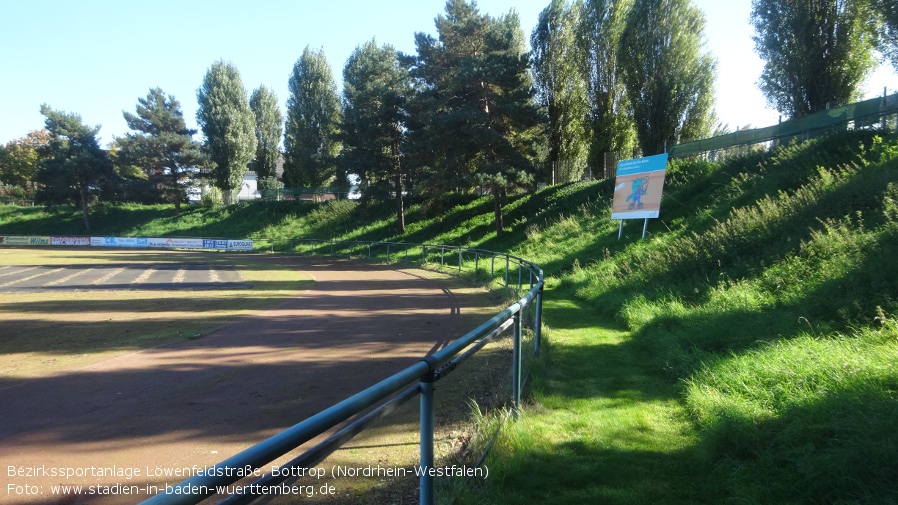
{"x":375,"y":90}
{"x":74,"y":165}
{"x":162,"y":146}
{"x":477,"y":113}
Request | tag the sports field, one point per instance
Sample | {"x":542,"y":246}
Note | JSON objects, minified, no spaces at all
{"x":139,"y":363}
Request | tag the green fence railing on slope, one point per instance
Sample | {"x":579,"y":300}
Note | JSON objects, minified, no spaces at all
{"x":416,"y":380}
{"x":860,"y":114}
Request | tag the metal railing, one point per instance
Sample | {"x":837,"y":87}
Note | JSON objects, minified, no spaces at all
{"x":386,"y":395}
{"x":456,"y":257}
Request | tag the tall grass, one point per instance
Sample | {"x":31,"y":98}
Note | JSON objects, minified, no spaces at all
{"x":765,"y":300}
{"x":805,"y":420}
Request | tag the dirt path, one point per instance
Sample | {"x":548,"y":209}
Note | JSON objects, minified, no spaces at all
{"x":129,"y":421}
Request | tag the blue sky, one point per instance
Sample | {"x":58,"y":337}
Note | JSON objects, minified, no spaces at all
{"x":97,"y":57}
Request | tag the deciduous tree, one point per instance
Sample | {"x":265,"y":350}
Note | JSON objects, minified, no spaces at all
{"x":561,"y":89}
{"x":20,"y":159}
{"x":269,"y":127}
{"x":888,"y":38}
{"x":313,"y":119}
{"x":817,"y":52}
{"x":228,"y":125}
{"x":670,"y":82}
{"x":611,"y":128}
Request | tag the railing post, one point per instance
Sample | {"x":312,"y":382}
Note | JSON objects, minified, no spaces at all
{"x":507,"y":265}
{"x":516,"y":365}
{"x":425,"y":481}
{"x":459,"y":258}
{"x":538,"y":321}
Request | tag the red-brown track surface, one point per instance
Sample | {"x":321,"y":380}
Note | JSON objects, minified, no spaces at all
{"x":198,"y":402}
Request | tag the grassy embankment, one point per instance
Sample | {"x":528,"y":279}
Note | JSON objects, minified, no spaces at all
{"x":744,"y":352}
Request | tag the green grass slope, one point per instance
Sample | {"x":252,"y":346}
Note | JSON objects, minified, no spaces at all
{"x":744,"y":352}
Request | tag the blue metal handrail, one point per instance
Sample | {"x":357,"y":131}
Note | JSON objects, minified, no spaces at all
{"x":425,"y":372}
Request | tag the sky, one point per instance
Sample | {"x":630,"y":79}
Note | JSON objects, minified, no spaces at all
{"x":97,"y":57}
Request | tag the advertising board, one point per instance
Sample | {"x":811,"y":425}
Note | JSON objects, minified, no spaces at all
{"x":118,"y":242}
{"x":240,"y":245}
{"x":638,"y":188}
{"x":14,"y":240}
{"x":70,"y":241}
{"x":176,"y":243}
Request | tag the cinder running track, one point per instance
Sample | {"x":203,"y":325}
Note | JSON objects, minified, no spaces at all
{"x":199,"y":402}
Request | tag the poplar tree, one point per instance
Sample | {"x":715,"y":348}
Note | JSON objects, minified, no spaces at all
{"x":560,"y":87}
{"x":269,"y":128}
{"x":670,"y":82}
{"x":228,"y":125}
{"x":888,"y":41}
{"x":313,"y":119}
{"x":610,"y":125}
{"x":817,"y":52}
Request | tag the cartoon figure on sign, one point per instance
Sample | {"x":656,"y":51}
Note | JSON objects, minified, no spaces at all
{"x":640,"y":186}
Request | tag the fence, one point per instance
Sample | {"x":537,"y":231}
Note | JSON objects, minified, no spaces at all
{"x":310,"y":194}
{"x":385,"y":396}
{"x":860,"y":114}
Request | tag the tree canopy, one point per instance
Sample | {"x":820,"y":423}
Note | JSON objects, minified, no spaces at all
{"x":888,"y":41}
{"x":269,"y":128}
{"x":313,"y":119}
{"x":610,"y":124}
{"x":477,"y":113}
{"x":560,"y":87}
{"x":162,"y":146}
{"x":472,"y":111}
{"x":376,"y":88}
{"x":74,"y":165}
{"x":670,"y":82}
{"x":228,"y":125}
{"x":817,"y":52}
{"x":20,"y":159}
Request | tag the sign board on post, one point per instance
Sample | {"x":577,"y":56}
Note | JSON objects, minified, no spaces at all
{"x":637,"y":189}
